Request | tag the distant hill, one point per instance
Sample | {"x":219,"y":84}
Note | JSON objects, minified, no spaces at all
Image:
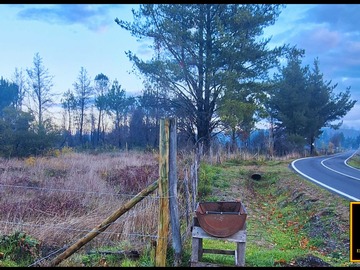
{"x":351,"y":137}
{"x":348,"y":132}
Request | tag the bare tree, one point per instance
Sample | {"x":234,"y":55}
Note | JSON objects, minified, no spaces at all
{"x":83,"y":91}
{"x":68,"y":103}
{"x":40,"y":84}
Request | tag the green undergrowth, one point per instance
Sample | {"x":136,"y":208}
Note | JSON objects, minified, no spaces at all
{"x":18,"y":250}
{"x":288,"y":218}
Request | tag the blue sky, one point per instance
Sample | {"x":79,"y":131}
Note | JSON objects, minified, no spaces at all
{"x":71,"y":36}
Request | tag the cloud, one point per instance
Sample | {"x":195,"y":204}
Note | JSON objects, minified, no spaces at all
{"x":343,"y":17}
{"x":95,"y":17}
{"x":318,"y":40}
{"x":331,"y":34}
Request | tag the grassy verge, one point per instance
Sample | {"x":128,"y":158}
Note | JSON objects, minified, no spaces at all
{"x":291,"y":222}
{"x":355,"y":161}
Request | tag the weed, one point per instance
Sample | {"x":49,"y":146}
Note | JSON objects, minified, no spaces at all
{"x":20,"y":248}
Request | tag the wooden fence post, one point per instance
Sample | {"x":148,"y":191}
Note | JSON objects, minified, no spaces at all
{"x":174,"y":212}
{"x":163,"y":225}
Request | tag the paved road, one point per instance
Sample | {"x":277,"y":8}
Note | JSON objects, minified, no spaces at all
{"x":331,"y":172}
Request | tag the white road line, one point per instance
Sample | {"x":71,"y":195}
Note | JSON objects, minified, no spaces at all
{"x":322,"y":184}
{"x":346,"y":161}
{"x":327,"y":167}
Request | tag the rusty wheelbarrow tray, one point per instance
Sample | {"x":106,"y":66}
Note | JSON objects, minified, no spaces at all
{"x":221,"y":219}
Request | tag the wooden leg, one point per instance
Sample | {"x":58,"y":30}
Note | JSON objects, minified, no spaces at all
{"x":240,"y":254}
{"x":197,"y":249}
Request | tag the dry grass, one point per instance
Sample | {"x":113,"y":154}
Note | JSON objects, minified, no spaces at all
{"x":57,"y":200}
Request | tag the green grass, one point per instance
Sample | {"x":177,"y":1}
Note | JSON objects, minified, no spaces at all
{"x":355,"y":161}
{"x":280,"y":221}
{"x":18,"y":249}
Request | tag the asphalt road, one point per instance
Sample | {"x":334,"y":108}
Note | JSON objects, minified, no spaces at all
{"x":331,"y":172}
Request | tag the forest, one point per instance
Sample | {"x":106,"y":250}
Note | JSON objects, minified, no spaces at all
{"x":211,"y":70}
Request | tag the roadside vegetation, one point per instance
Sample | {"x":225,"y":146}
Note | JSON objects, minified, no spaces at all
{"x":290,"y":222}
{"x":355,"y":161}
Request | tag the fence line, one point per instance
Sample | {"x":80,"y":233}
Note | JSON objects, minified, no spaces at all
{"x":47,"y":256}
{"x":76,"y":230}
{"x":80,"y":231}
{"x":185,"y":213}
{"x":80,"y":191}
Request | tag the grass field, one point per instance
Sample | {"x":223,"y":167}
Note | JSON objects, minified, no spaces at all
{"x":50,"y":202}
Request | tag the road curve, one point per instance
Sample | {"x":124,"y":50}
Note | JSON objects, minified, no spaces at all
{"x":331,"y":172}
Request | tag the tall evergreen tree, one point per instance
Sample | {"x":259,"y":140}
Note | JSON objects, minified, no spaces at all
{"x":201,"y":47}
{"x":324,"y":106}
{"x":290,"y":100}
{"x":303,"y":103}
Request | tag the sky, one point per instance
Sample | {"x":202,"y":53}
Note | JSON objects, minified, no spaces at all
{"x":70,"y":36}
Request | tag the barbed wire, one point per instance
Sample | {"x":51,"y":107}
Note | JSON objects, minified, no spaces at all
{"x":20,"y":224}
{"x":38,"y":261}
{"x":83,"y":191}
{"x":81,"y":231}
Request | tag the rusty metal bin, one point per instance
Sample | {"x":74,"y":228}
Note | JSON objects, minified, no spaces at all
{"x":221,"y":219}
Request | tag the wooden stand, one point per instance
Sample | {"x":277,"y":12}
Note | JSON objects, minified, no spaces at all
{"x":198,"y":234}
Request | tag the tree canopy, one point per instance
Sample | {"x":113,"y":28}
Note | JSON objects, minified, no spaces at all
{"x":303,"y":102}
{"x":203,"y":50}
{"x":8,"y":94}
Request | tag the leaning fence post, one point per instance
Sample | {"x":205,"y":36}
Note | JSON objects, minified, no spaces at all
{"x":163,"y":224}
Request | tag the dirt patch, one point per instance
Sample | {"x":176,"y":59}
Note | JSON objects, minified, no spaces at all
{"x":307,"y":261}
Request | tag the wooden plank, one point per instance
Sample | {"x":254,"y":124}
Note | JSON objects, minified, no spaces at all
{"x":219,"y":251}
{"x":164,"y":219}
{"x":239,"y":236}
{"x":206,"y":264}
